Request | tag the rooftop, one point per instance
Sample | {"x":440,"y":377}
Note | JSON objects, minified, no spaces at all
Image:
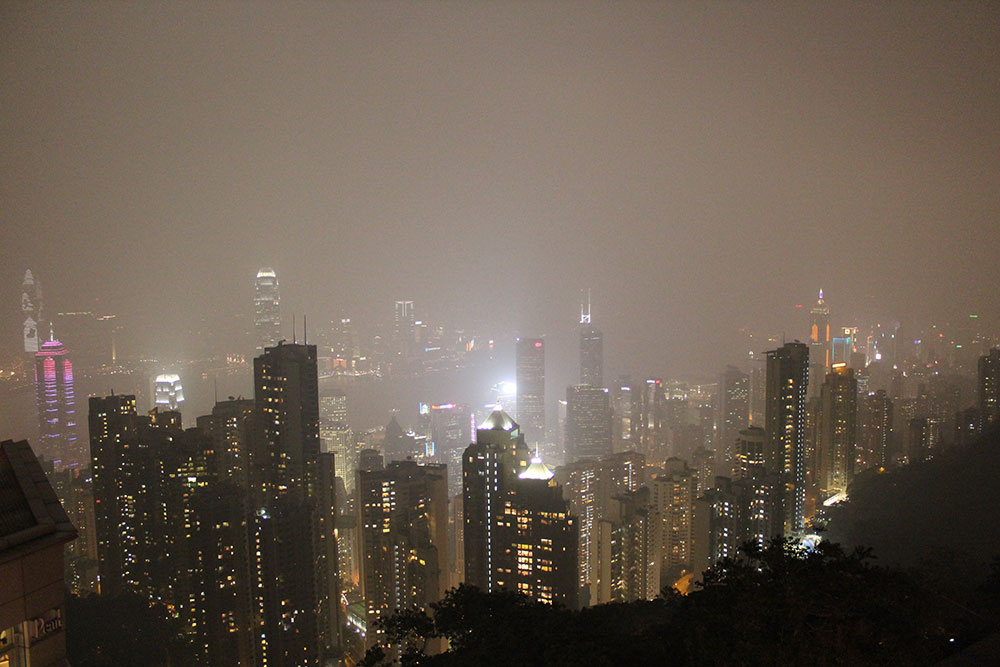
{"x":30,"y":512}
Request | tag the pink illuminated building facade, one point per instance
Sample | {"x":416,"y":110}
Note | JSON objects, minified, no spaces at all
{"x":57,"y":425}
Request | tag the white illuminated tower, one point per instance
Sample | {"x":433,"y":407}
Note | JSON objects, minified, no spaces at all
{"x":266,"y":310}
{"x":168,"y":391}
{"x":591,"y":349}
{"x":31,"y":310}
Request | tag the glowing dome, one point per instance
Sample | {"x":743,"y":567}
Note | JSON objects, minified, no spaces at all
{"x":498,"y":420}
{"x":536,"y":470}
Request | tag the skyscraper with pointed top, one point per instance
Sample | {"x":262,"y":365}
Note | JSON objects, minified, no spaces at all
{"x":820,"y":341}
{"x":266,"y":310}
{"x":591,"y":348}
{"x":56,"y":399}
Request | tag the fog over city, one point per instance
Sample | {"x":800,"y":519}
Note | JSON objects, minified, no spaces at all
{"x":700,"y":168}
{"x":551,"y":333}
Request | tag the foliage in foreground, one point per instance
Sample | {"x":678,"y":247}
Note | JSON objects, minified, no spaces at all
{"x":776,"y":606}
{"x":122,"y":631}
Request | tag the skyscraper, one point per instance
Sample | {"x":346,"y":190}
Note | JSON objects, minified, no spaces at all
{"x":404,"y":327}
{"x":588,"y":422}
{"x":785,"y":418}
{"x":875,"y":427}
{"x":674,"y":494}
{"x":591,"y":349}
{"x":820,"y":341}
{"x":489,"y":467}
{"x":733,"y":410}
{"x":31,"y":311}
{"x":530,"y":381}
{"x":167,"y":391}
{"x":623,"y":547}
{"x":591,"y":485}
{"x":536,"y":548}
{"x":989,"y":387}
{"x":56,"y":400}
{"x":266,"y":310}
{"x":403,"y":523}
{"x":291,"y":487}
{"x":649,"y":427}
{"x":838,"y":429}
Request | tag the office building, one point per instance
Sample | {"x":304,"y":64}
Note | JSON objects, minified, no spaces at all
{"x":649,"y":425}
{"x":785,"y":419}
{"x":623,"y":409}
{"x":588,"y":422}
{"x":820,"y":341}
{"x":591,"y":349}
{"x":266,"y":310}
{"x":55,"y":396}
{"x":404,"y":328}
{"x":591,"y":356}
{"x":530,"y":383}
{"x":167,"y":391}
{"x":31,"y":312}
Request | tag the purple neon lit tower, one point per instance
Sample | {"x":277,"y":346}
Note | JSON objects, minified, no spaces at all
{"x":58,"y":440}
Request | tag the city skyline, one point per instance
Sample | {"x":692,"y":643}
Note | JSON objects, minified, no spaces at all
{"x":668,"y":152}
{"x":570,"y":333}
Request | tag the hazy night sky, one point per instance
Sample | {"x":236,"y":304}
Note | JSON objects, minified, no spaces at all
{"x":701,"y":168}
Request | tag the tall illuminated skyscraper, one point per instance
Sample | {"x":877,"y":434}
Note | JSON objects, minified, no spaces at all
{"x":591,"y":349}
{"x":530,"y":381}
{"x":292,"y":489}
{"x":489,"y":467}
{"x":266,"y":310}
{"x":787,"y":383}
{"x":57,"y":426}
{"x":820,"y":341}
{"x":838,"y":432}
{"x":167,"y":391}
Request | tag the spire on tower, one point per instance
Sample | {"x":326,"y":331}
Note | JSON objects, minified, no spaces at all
{"x":585,"y":309}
